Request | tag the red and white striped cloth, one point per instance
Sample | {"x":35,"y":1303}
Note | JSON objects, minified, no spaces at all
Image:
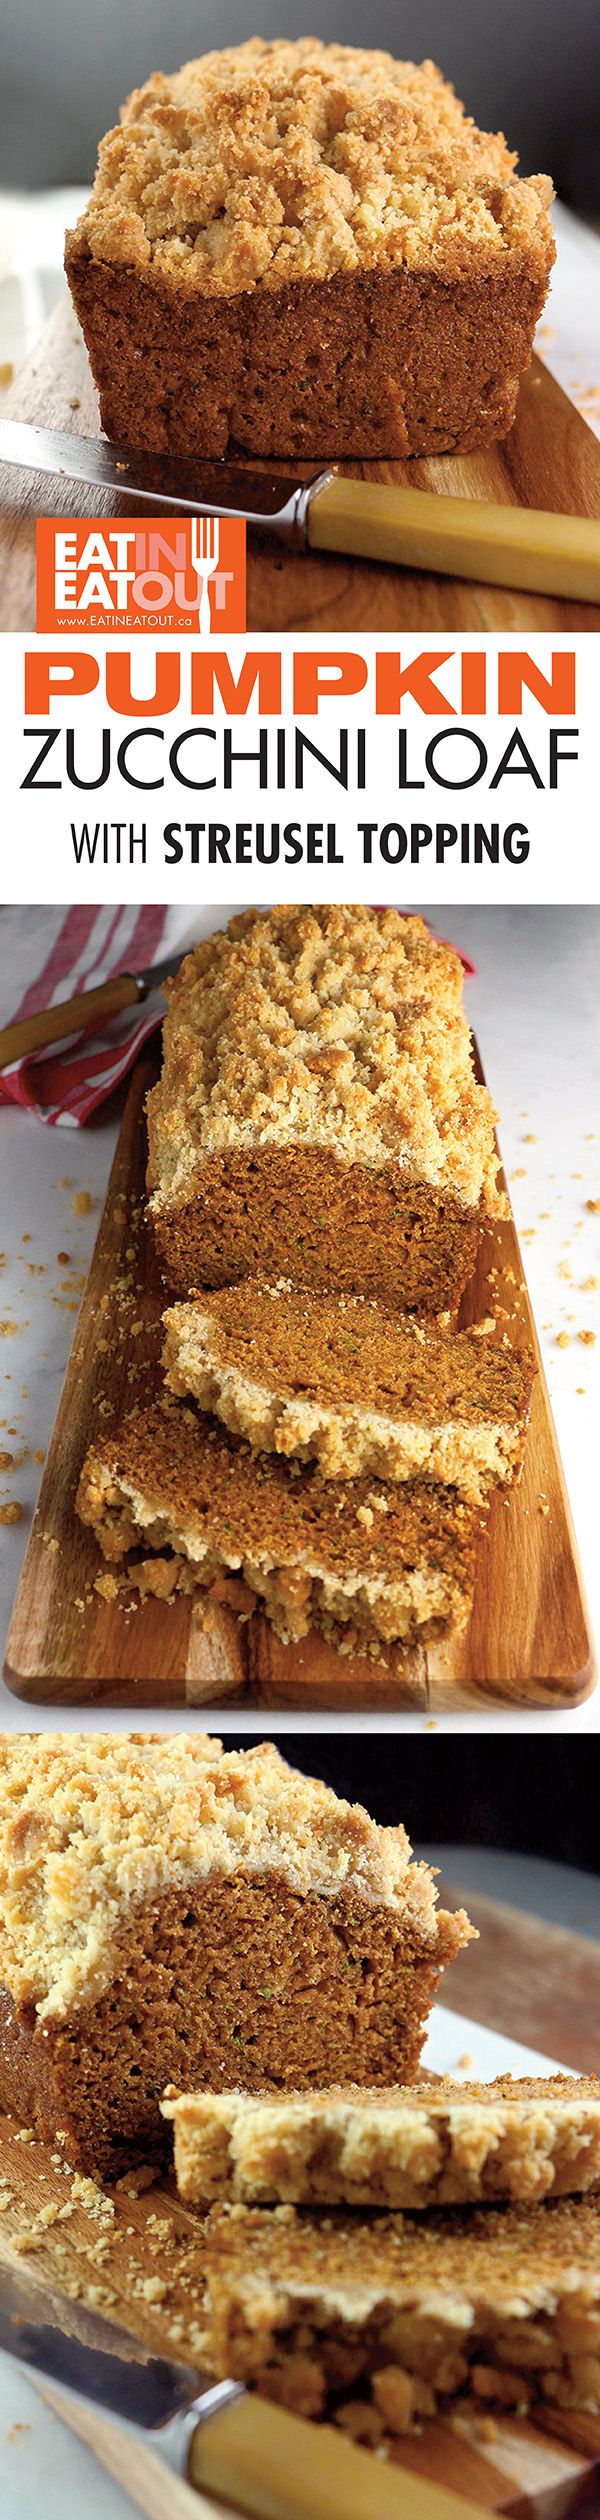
{"x":68,"y":950}
{"x":75,"y":949}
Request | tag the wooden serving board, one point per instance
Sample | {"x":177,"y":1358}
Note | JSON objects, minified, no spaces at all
{"x":550,"y":460}
{"x":528,"y":1642}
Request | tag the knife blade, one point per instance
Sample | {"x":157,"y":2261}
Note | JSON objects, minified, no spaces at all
{"x":251,"y":2454}
{"x":66,"y":2342}
{"x":156,"y":974}
{"x":530,"y":548}
{"x":262,"y":499}
{"x":91,"y":1007}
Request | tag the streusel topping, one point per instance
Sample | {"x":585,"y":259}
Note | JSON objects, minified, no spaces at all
{"x":274,"y":162}
{"x":330,"y":1027}
{"x":91,"y":1825}
{"x":433,"y":2143}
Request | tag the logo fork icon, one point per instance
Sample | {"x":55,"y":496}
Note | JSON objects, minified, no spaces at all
{"x":205,"y":559}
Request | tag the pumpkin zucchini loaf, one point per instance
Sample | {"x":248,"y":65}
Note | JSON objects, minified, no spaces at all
{"x":317,"y":1116}
{"x":376,"y":2323}
{"x":172,"y":1909}
{"x":362,"y":1560}
{"x":341,"y":1381}
{"x":301,"y":249}
{"x":435,"y":2144}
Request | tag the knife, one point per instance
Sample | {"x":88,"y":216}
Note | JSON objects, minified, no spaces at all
{"x":245,"y":2450}
{"x":85,"y":1012}
{"x":416,"y":529}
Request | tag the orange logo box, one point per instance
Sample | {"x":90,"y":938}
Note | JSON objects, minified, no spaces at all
{"x":110,"y":573}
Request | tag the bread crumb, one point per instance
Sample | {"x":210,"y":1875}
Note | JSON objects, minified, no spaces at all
{"x":107,"y":1586}
{"x":587,"y":1338}
{"x":82,"y":1203}
{"x":563,"y":1338}
{"x":11,"y":1513}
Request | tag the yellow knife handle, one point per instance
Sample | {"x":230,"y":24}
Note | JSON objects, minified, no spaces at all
{"x":263,"y":2461}
{"x":77,"y":1014}
{"x":463,"y":538}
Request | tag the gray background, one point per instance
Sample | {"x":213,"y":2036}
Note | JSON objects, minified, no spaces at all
{"x":530,"y":66}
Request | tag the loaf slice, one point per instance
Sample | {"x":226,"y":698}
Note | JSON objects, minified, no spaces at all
{"x":170,"y":1909}
{"x":318,"y":1116}
{"x":342,"y":1381}
{"x":435,"y":2144}
{"x":306,"y":250}
{"x":184,"y":1503}
{"x":376,"y":2323}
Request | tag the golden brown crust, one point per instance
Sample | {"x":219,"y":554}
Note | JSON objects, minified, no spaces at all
{"x":95,"y":1826}
{"x":314,"y":253}
{"x":317,"y":1115}
{"x":443,"y":2144}
{"x":376,"y":1558}
{"x":334,"y":1028}
{"x":266,"y":163}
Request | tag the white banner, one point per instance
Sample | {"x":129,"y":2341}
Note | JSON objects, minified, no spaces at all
{"x":374,"y":768}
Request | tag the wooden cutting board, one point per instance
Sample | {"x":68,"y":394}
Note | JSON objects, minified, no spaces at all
{"x":551,"y":460}
{"x":528,"y":1642}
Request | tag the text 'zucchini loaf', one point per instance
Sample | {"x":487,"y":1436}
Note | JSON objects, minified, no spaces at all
{"x":171,"y":1910}
{"x":318,"y":1116}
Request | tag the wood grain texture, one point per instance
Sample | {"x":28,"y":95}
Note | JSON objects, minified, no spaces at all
{"x":536,"y":1982}
{"x":528,"y":1642}
{"x":64,"y":1641}
{"x":551,"y":459}
{"x":528,"y":2471}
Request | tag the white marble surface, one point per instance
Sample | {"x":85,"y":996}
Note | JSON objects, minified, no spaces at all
{"x":46,"y":2474}
{"x":32,"y":230}
{"x":535,"y":1006}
